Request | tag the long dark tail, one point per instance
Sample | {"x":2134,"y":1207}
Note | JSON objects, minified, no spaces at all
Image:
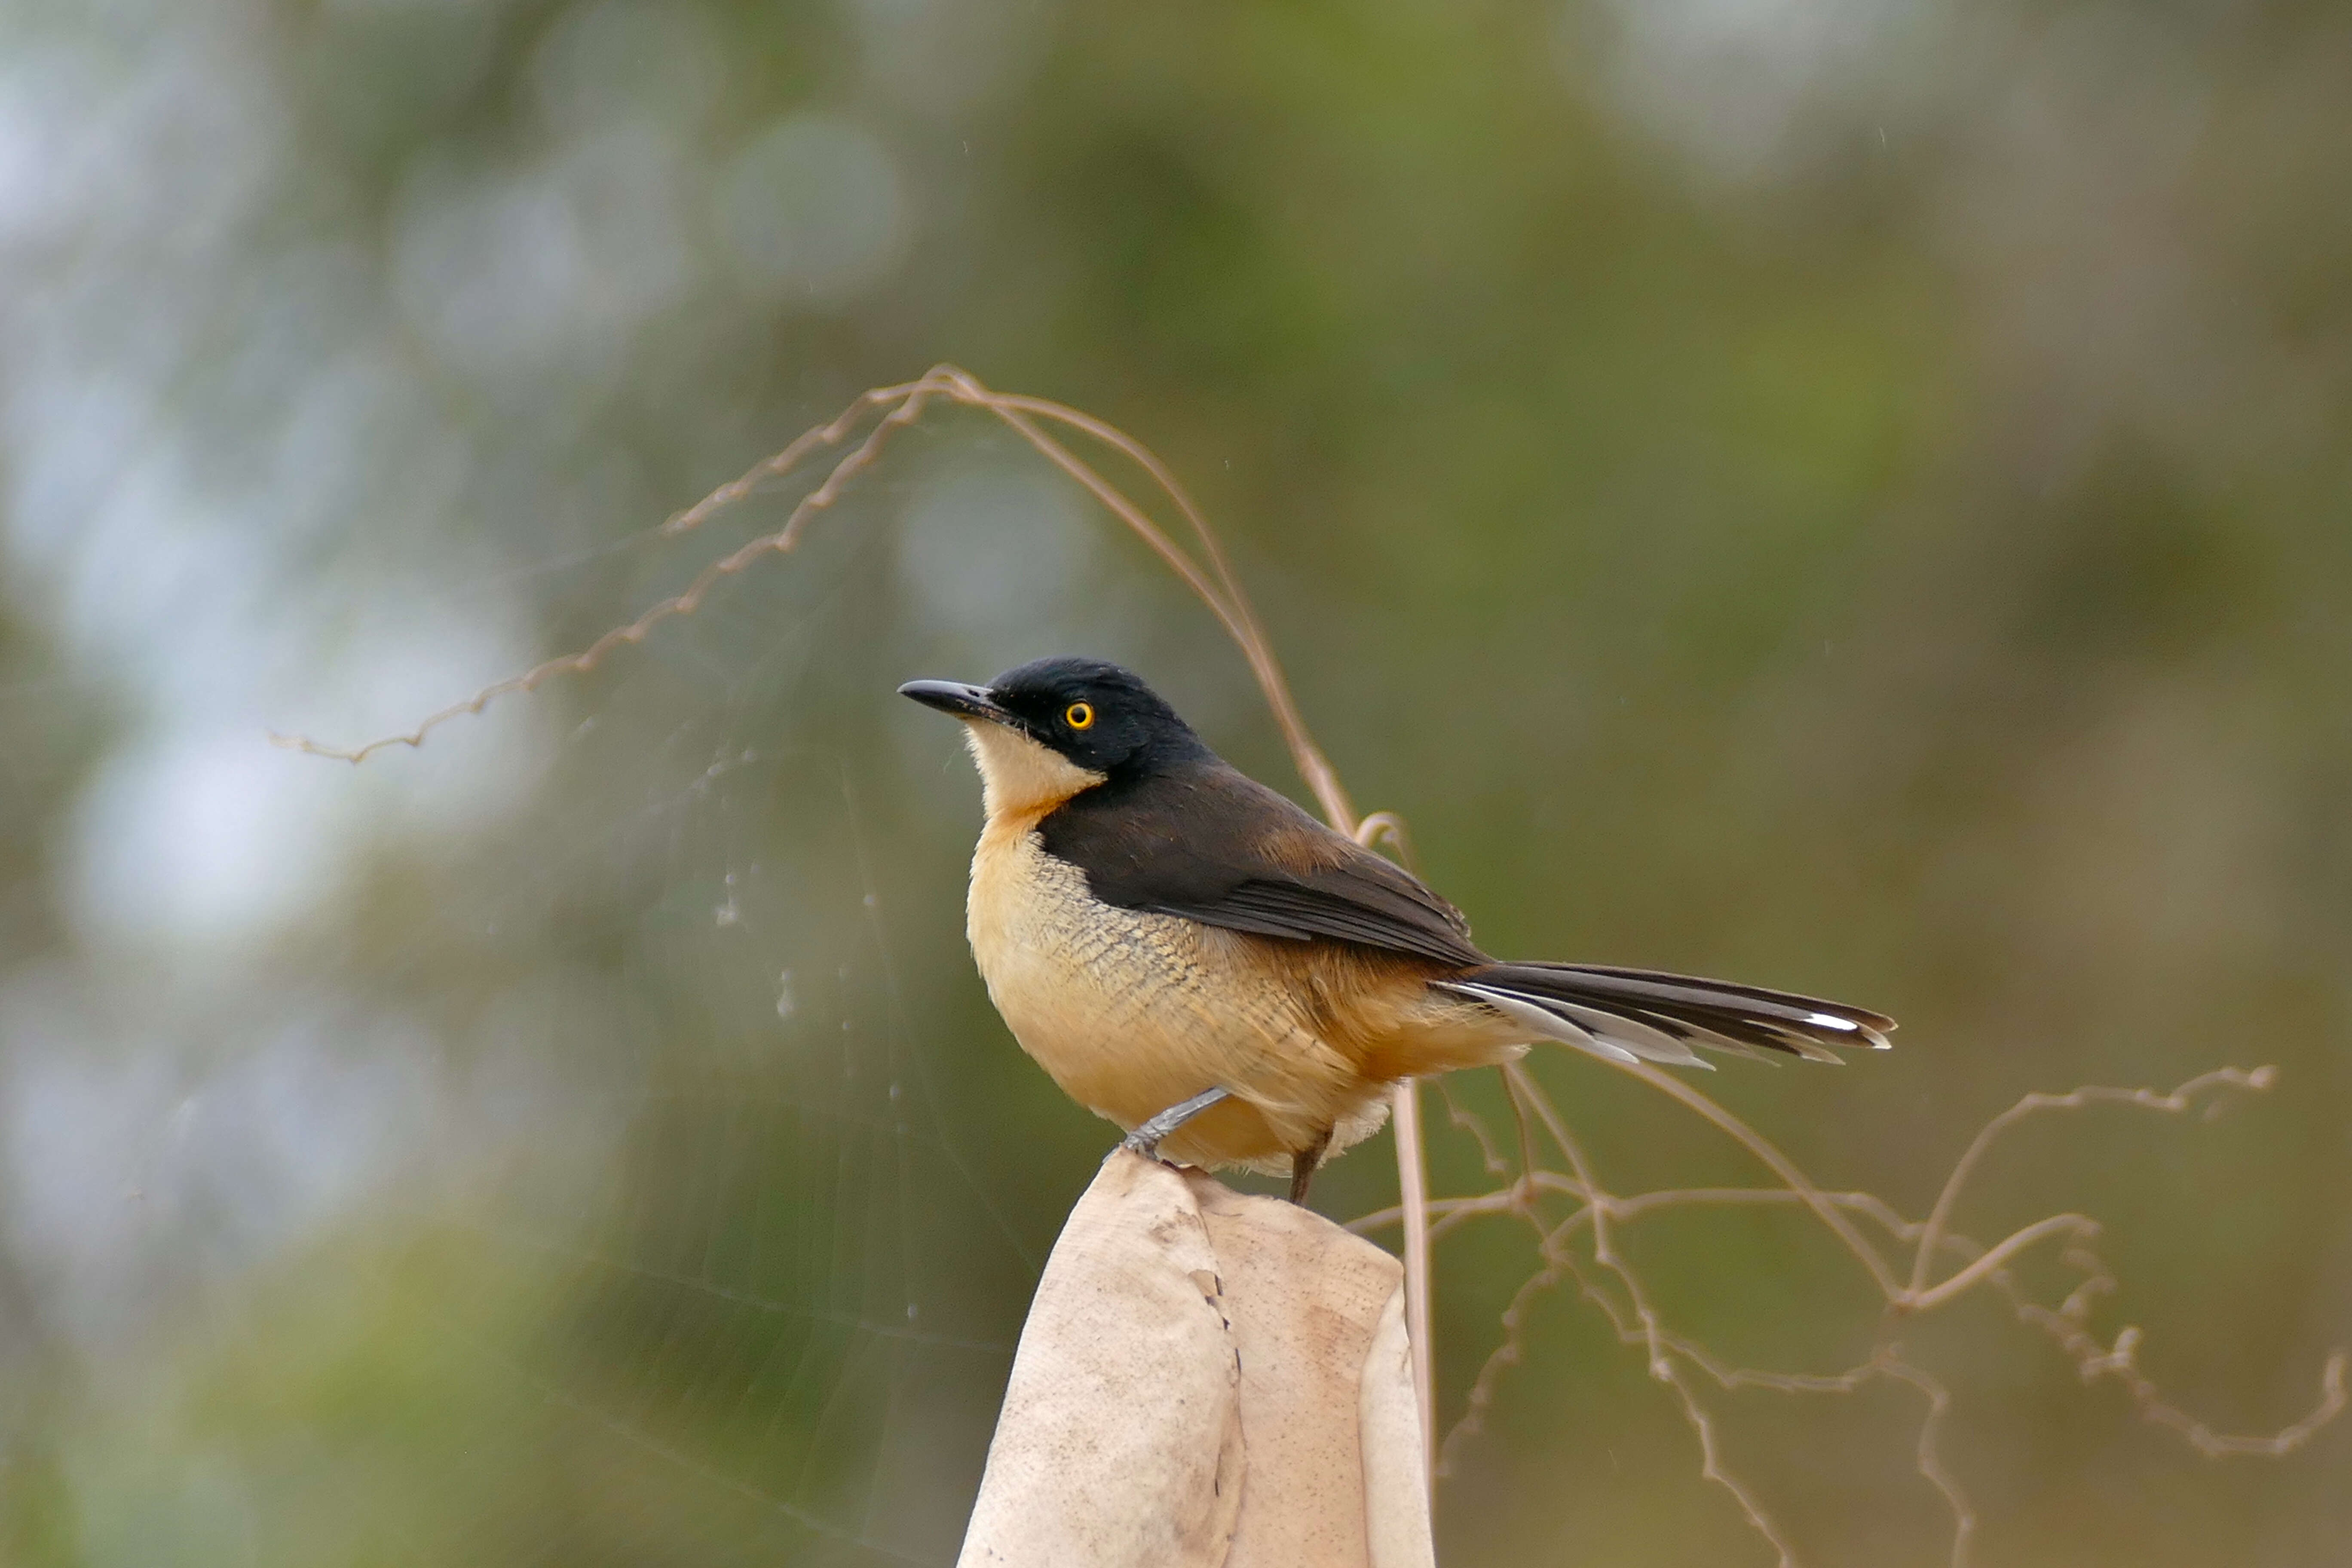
{"x":1639,"y":1012}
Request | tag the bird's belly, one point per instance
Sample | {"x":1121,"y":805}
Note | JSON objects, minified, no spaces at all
{"x":1132,"y":1012}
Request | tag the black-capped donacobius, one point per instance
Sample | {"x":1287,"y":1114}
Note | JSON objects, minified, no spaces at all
{"x":1192,"y":956}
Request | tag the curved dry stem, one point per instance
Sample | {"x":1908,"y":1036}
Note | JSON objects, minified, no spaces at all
{"x":2119,"y":1361}
{"x":2180,"y":1100}
{"x":1387,"y":826}
{"x":1313,"y":766}
{"x":1639,"y":1323}
{"x":1928,"y":1454}
{"x":1779,"y":1164}
{"x":684,"y":603}
{"x":1450,"y":1213}
{"x":1412,"y":1193}
{"x":2080,"y":1227}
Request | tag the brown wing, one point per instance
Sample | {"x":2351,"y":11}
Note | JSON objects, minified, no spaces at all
{"x":1209,"y":843}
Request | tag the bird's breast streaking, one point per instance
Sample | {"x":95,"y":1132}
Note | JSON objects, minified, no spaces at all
{"x":1131,"y":1012}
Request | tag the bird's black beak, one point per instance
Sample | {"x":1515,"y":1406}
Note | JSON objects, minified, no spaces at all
{"x":954,"y":697}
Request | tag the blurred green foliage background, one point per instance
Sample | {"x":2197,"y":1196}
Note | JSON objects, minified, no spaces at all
{"x":1853,"y":495}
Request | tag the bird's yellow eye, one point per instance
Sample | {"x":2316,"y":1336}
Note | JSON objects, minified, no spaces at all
{"x":1077,"y":715}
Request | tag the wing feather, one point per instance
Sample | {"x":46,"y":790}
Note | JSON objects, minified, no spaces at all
{"x":1210,"y":845}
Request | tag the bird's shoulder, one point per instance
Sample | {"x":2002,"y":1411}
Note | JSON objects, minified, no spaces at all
{"x":1206,"y":842}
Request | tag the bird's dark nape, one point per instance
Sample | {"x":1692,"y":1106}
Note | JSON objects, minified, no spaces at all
{"x":1654,"y":1017}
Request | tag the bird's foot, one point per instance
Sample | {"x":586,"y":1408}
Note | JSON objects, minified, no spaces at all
{"x":1144,"y":1139}
{"x":1304,"y":1163}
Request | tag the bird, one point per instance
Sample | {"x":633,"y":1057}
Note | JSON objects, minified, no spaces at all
{"x":1191,"y":955}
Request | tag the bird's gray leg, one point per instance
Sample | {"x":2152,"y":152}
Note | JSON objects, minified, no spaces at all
{"x":1144,"y":1139}
{"x":1304,"y":1163}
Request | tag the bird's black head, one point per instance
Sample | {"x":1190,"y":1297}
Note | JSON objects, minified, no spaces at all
{"x":1098,"y":716}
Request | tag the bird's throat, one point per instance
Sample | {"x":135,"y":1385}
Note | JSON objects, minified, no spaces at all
{"x":1019,"y":778}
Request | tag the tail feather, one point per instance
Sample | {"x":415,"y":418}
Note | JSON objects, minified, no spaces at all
{"x":1541,"y":1018}
{"x":1713,"y":1037}
{"x":1653,"y":1016}
{"x":1630,"y":1031}
{"x":1784,"y":999}
{"x":1611,"y":1036}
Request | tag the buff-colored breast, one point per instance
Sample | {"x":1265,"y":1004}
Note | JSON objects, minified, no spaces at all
{"x":1132,"y":1012}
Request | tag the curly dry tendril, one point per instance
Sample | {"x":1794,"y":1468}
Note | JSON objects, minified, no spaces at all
{"x":862,"y":431}
{"x":1602,"y":1277}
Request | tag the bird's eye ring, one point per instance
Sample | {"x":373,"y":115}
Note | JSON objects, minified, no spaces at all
{"x":1079,"y":715}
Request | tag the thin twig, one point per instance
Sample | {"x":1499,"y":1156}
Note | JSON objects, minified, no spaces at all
{"x":1412,"y":1189}
{"x":2180,"y":1100}
{"x":1651,"y":1336}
